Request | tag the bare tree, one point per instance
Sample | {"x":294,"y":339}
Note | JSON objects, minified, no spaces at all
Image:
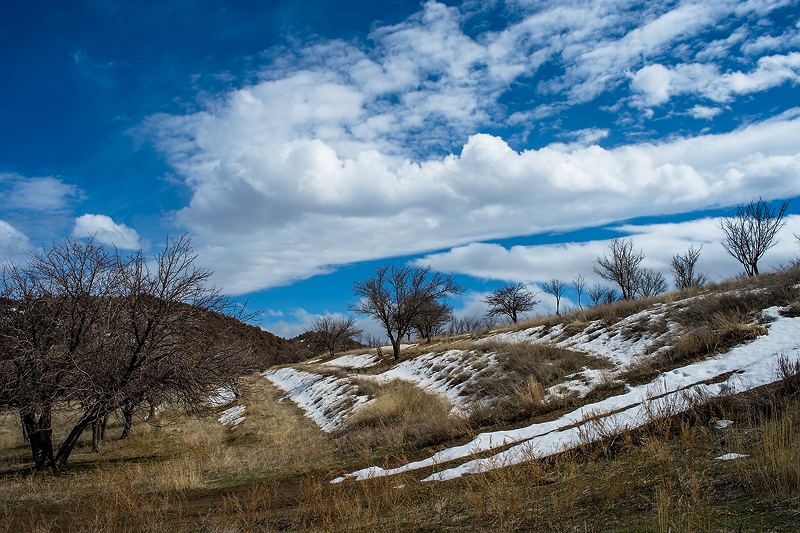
{"x":431,"y":319}
{"x":88,"y":332}
{"x":53,"y":314}
{"x":466,"y":324}
{"x":596,"y":294}
{"x":622,"y":267}
{"x":580,"y":285}
{"x":510,"y":300}
{"x":751,"y":232}
{"x":556,"y":287}
{"x":683,"y":269}
{"x":395,"y":296}
{"x":650,"y":283}
{"x":610,"y":296}
{"x":332,"y":331}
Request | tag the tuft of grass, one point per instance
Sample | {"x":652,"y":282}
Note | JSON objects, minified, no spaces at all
{"x":402,"y":415}
{"x":399,"y":401}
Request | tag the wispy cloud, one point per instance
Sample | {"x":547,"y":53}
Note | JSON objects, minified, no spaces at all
{"x":537,"y":264}
{"x":45,"y":193}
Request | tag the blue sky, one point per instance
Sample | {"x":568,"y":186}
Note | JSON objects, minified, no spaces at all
{"x":303,"y":144}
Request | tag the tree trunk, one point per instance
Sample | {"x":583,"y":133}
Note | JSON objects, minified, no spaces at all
{"x":396,"y":349}
{"x":72,"y":439}
{"x":127,"y":416}
{"x":24,"y":429}
{"x":104,"y":426}
{"x":40,"y":435}
{"x":96,"y":429}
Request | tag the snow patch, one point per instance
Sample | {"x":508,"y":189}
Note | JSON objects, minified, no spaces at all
{"x":327,"y":400}
{"x":232,"y":417}
{"x":222,"y":397}
{"x":354,"y":361}
{"x":751,"y":365}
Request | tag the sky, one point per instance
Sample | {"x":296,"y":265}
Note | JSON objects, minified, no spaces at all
{"x":303,"y":144}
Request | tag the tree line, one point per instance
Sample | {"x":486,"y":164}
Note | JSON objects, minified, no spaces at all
{"x":90,"y":332}
{"x":405,"y":299}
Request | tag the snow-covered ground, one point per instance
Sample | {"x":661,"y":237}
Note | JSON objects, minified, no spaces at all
{"x":327,"y":400}
{"x":233,"y":416}
{"x":753,"y":365}
{"x":331,"y":397}
{"x":365,"y":360}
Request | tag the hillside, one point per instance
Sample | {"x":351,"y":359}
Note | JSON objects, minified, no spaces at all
{"x":676,"y":413}
{"x":611,"y":369}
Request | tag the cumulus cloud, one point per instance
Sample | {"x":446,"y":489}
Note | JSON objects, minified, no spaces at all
{"x":106,"y":231}
{"x":285,"y":211}
{"x":344,"y":152}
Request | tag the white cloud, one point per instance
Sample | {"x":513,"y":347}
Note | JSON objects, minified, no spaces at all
{"x":36,"y":194}
{"x":282,"y":211}
{"x":13,"y":243}
{"x":106,"y":231}
{"x":653,"y":81}
{"x":536,"y":264}
{"x":703,"y":112}
{"x":338,"y":153}
{"x":657,"y":84}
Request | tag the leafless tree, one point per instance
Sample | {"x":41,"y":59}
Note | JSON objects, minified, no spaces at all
{"x":683,"y":268}
{"x":621,"y":267}
{"x":395,"y":296}
{"x":465,"y":324}
{"x":610,"y":296}
{"x":650,"y":283}
{"x":510,"y":300}
{"x":331,"y":331}
{"x":87,"y":331}
{"x":53,"y":313}
{"x":596,"y":294}
{"x":431,"y":319}
{"x":580,"y":285}
{"x":752,"y":231}
{"x":556,"y":287}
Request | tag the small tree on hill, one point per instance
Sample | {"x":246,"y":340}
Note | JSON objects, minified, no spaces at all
{"x":650,"y":283}
{"x":395,"y":296}
{"x":432,"y":319}
{"x":510,"y":300}
{"x":683,"y":269}
{"x":621,"y":267}
{"x":332,"y":331}
{"x":556,"y":287}
{"x":752,"y":231}
{"x":596,"y":294}
{"x":580,"y":285}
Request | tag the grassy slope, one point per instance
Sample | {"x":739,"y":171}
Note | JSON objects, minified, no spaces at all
{"x":272,"y":472}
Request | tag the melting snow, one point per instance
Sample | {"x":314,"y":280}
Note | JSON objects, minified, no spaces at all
{"x":730,"y":457}
{"x":232,"y":417}
{"x":753,"y":365}
{"x":354,"y":361}
{"x":327,"y":400}
{"x":222,"y":397}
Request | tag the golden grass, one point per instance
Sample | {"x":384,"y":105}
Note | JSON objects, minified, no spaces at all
{"x":272,"y":472}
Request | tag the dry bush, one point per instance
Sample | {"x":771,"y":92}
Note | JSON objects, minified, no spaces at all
{"x":402,"y":415}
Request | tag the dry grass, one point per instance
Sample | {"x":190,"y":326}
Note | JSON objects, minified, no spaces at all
{"x":272,"y":472}
{"x":401,"y":416}
{"x":523,"y":371}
